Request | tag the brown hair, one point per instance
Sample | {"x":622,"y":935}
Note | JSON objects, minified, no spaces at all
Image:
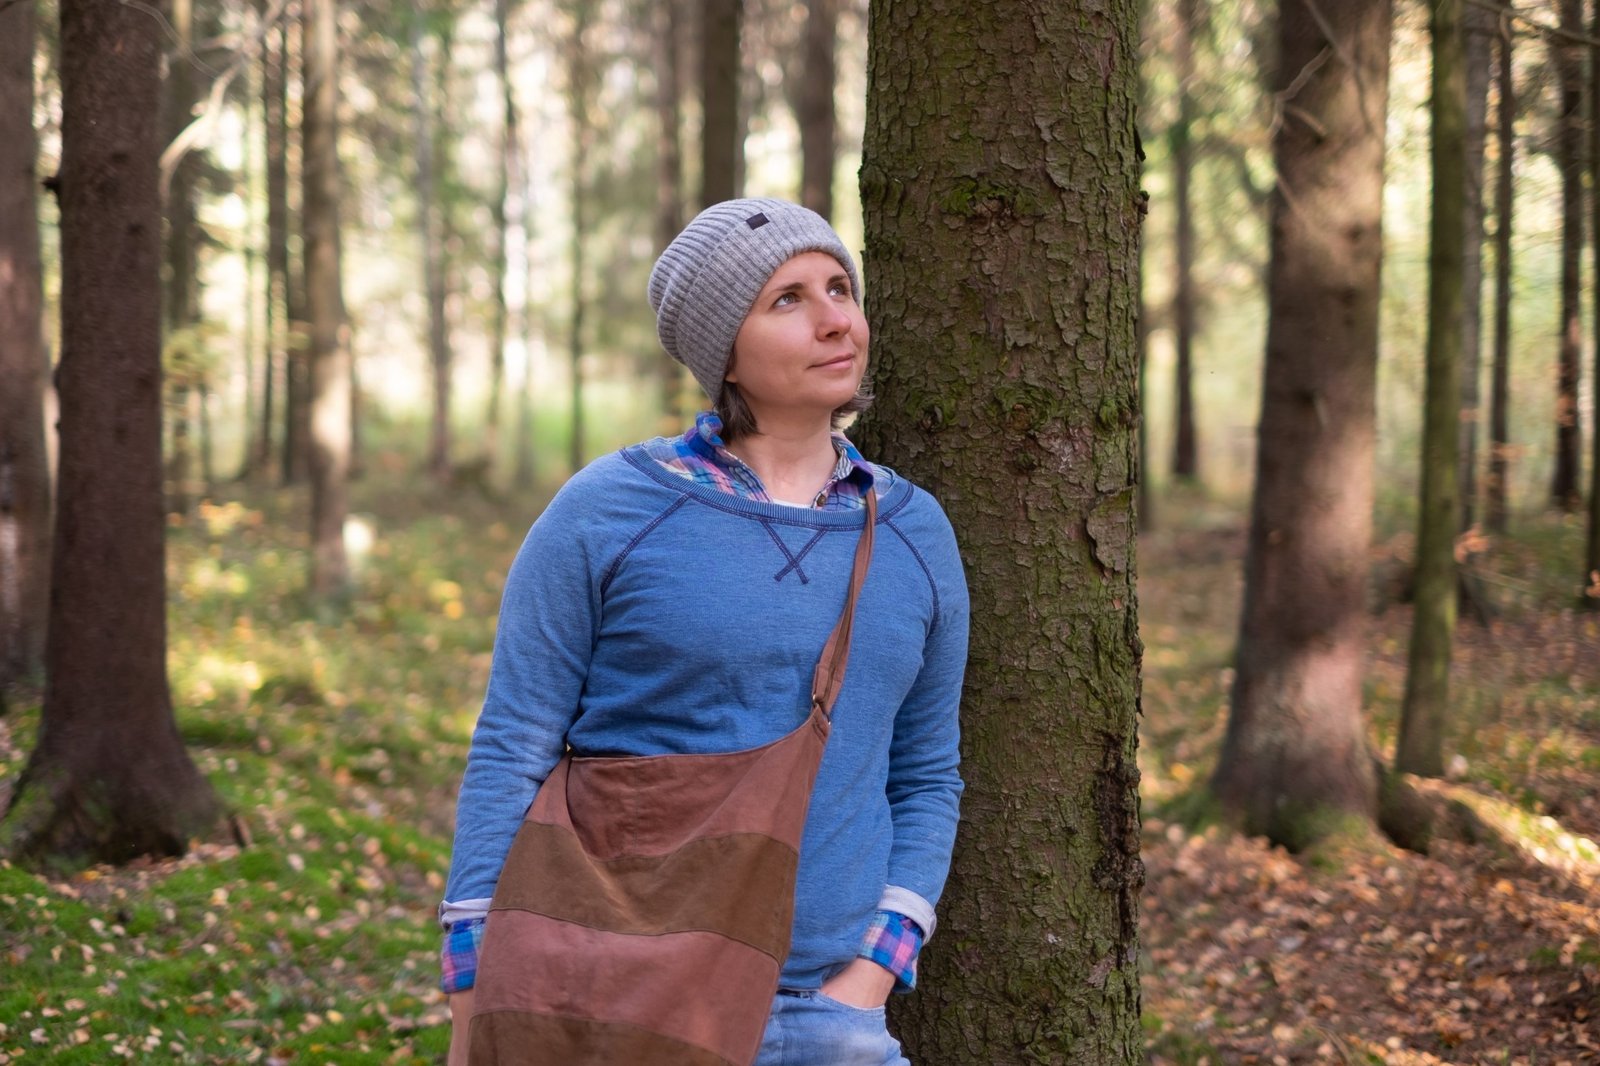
{"x":739,"y":421}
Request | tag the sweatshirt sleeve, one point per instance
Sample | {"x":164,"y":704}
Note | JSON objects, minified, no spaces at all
{"x":549,"y":616}
{"x":924,"y":783}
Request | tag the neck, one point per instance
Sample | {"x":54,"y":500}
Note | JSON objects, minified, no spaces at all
{"x":793,"y":460}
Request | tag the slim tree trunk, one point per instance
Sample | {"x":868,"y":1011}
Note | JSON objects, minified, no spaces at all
{"x":721,"y":146}
{"x":1185,"y":454}
{"x":1478,"y":28}
{"x":507,"y":208}
{"x":1591,"y":560}
{"x":1000,"y":189}
{"x":428,"y":226}
{"x":329,"y":394}
{"x":1422,"y":717}
{"x":297,"y":366}
{"x":24,"y":369}
{"x":1295,"y":759}
{"x":580,"y":74}
{"x":1500,"y":395}
{"x":814,"y":106}
{"x":274,"y":136}
{"x":182,"y":290}
{"x":669,"y":172}
{"x":108,"y":778}
{"x":1569,"y":158}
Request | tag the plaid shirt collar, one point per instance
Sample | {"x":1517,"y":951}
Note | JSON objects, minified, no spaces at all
{"x":704,"y":439}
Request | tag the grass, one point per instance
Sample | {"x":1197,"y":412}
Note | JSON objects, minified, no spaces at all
{"x":337,"y":742}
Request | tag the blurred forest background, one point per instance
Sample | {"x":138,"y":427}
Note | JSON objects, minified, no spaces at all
{"x":401,"y":297}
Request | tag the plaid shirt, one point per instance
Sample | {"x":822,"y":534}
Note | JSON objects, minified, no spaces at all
{"x":892,"y":940}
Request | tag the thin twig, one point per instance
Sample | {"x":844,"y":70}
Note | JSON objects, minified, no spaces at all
{"x":1573,"y":36}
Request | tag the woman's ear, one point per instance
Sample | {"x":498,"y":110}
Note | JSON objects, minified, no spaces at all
{"x":731,"y":373}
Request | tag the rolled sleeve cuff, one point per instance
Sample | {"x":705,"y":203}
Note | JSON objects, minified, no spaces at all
{"x":904,"y":901}
{"x":452,"y":911}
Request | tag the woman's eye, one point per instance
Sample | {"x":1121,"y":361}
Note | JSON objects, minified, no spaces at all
{"x":784,"y":299}
{"x":839,"y":288}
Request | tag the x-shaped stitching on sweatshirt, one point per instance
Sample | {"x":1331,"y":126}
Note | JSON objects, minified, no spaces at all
{"x":794,"y":559}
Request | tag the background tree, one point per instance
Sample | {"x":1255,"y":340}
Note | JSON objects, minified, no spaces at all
{"x":1296,"y":747}
{"x":1421,"y":746}
{"x":1495,"y":489}
{"x":428,"y":110}
{"x":721,"y":131}
{"x":581,"y":70}
{"x":668,"y":42}
{"x":813,"y":105}
{"x":24,"y":367}
{"x":329,"y":379}
{"x":184,"y":358}
{"x":1000,"y":189}
{"x":1478,"y":33}
{"x":1185,"y":454}
{"x":108,"y":778}
{"x":506,"y":206}
{"x":1591,"y":562}
{"x":1568,"y":58}
{"x":274,"y":354}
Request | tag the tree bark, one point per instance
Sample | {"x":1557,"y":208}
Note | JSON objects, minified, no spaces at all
{"x":814,"y":106}
{"x":429,"y":227}
{"x":1569,"y":159}
{"x":1295,"y":759}
{"x":1000,"y":190}
{"x":721,"y":147}
{"x":1185,"y":452}
{"x":24,"y":369}
{"x":109,"y":778}
{"x":1433,"y":622}
{"x":1500,"y":391}
{"x":329,"y":398}
{"x":297,"y":336}
{"x":1478,"y":30}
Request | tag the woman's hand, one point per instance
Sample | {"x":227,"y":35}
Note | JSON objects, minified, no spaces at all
{"x":460,"y":1016}
{"x":862,"y":984}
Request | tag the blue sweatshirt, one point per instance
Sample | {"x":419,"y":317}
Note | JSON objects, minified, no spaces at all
{"x":646,"y":614}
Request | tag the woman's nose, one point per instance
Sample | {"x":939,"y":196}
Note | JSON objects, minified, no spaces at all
{"x":832,"y":320}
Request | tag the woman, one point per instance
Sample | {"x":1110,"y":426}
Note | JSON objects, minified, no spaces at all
{"x":673,"y":598}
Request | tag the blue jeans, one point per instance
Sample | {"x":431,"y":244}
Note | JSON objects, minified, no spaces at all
{"x":810,"y":1029}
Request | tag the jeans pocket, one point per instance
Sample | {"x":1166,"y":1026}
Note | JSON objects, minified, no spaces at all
{"x":876,"y":1013}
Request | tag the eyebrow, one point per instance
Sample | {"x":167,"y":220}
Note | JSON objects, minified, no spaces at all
{"x":796,"y":286}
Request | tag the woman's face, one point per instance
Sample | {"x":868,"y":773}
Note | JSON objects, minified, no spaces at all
{"x":802,"y":349}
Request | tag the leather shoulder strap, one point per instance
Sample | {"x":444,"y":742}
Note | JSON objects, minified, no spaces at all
{"x":829,"y":678}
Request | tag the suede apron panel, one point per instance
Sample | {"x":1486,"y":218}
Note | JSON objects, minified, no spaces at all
{"x":645,"y":907}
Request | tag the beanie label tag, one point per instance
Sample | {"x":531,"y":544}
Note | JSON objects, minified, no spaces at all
{"x":756,"y":221}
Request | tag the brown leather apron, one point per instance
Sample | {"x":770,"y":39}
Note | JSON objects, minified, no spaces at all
{"x":644,"y":910}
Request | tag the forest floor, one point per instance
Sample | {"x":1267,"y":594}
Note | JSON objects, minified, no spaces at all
{"x":337,"y":741}
{"x":1480,"y":952}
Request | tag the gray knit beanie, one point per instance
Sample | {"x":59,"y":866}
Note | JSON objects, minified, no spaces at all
{"x":707,"y":280}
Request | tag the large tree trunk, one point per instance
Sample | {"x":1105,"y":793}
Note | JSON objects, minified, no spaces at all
{"x":721,"y":146}
{"x":330,"y":392}
{"x":1296,"y":750}
{"x":1185,"y":453}
{"x":432,"y":233}
{"x":182,"y":284}
{"x":1000,"y":188}
{"x":109,"y":778}
{"x":814,"y":106}
{"x":1500,"y":391}
{"x":1478,"y":28}
{"x":24,"y":369}
{"x":1433,"y":622}
{"x":1569,"y":158}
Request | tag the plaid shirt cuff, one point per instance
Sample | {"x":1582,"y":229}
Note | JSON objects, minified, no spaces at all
{"x":893,"y":941}
{"x":458,"y":960}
